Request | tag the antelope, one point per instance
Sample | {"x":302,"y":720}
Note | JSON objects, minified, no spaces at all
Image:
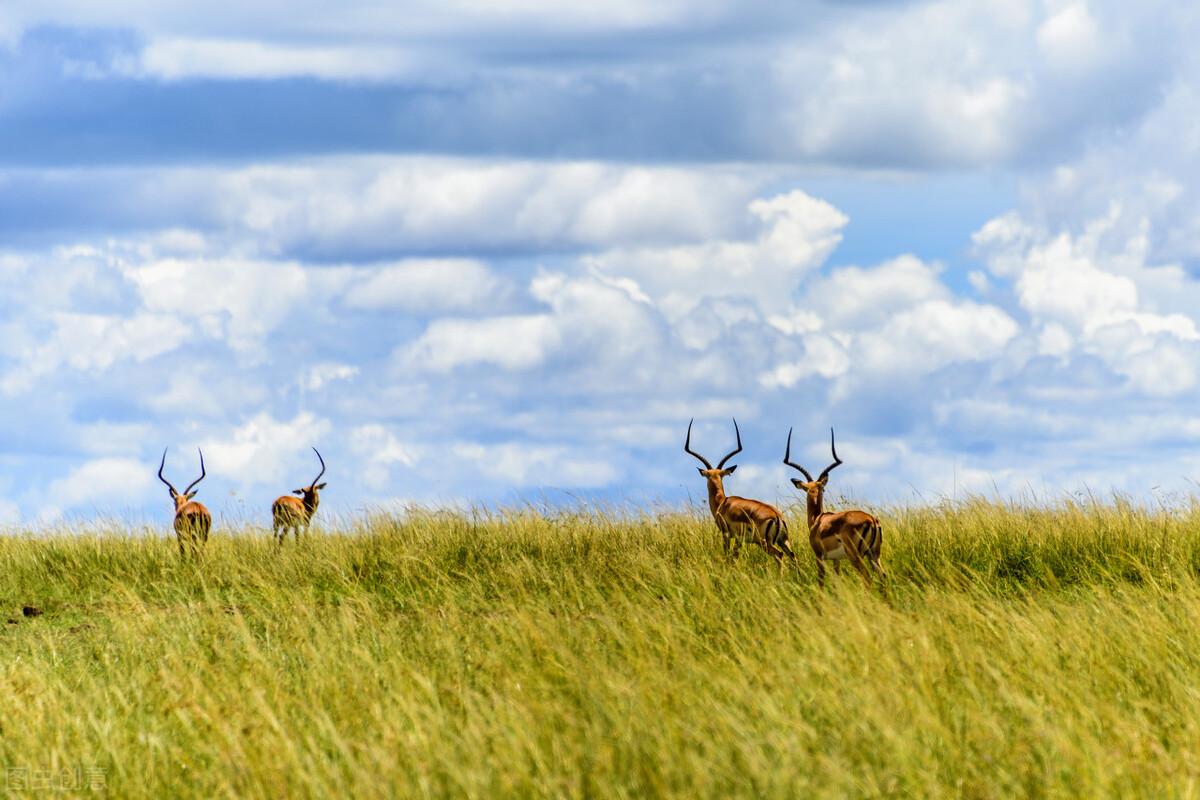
{"x":835,"y":536}
{"x":738,"y":517}
{"x":294,"y":513}
{"x":192,"y":520}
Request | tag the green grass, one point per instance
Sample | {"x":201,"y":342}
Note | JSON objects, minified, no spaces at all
{"x":1049,"y":652}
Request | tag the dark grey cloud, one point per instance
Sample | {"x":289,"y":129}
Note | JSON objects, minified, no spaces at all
{"x":810,"y":85}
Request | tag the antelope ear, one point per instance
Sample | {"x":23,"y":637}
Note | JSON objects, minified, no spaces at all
{"x":729,"y":470}
{"x":297,"y":491}
{"x":320,"y":486}
{"x":190,"y":495}
{"x":700,"y":470}
{"x":799,"y":484}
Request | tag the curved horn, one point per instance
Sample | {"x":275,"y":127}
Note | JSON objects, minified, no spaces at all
{"x":836,"y":461}
{"x":193,"y":483}
{"x":739,"y":445}
{"x":687,"y":447}
{"x":787,"y":455}
{"x":322,"y":472}
{"x":160,"y":475}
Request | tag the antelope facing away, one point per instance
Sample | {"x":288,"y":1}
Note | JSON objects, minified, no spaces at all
{"x":294,"y":513}
{"x":850,"y":535}
{"x":192,"y":520}
{"x":738,"y":518}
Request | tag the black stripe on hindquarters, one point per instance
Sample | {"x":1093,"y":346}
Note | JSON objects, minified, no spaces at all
{"x":781,"y":539}
{"x":867,"y":540}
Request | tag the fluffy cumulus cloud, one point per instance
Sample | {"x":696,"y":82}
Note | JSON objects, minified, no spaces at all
{"x":494,"y":252}
{"x":498,"y":373}
{"x":392,"y":211}
{"x":793,"y":234}
{"x":264,"y":450}
{"x":92,"y":343}
{"x":514,"y":343}
{"x":1108,"y":304}
{"x":894,"y":320}
{"x":231,"y":299}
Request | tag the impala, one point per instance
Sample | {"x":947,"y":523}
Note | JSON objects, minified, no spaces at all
{"x":737,"y":517}
{"x":849,"y":535}
{"x":192,"y":520}
{"x":294,"y":513}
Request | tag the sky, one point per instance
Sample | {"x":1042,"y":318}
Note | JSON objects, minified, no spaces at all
{"x":502,"y":252}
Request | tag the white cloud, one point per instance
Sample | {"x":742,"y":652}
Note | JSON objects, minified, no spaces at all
{"x":973,"y":81}
{"x":1056,"y":282}
{"x":1138,"y":183}
{"x":379,"y":449}
{"x":1070,"y":38}
{"x":629,"y":324}
{"x":1095,"y":293}
{"x":207,"y":389}
{"x":88,"y":341}
{"x":513,"y":343}
{"x":92,"y":342}
{"x":628,"y":332}
{"x":593,"y":322}
{"x":918,"y":85}
{"x":934,"y":334}
{"x":456,"y":205}
{"x":522,"y":465}
{"x":650,"y":204}
{"x":236,"y":300}
{"x":1159,"y":366}
{"x":264,"y":450}
{"x":1055,"y":340}
{"x":178,"y":58}
{"x":855,"y":298}
{"x":91,"y":308}
{"x":795,"y":234}
{"x":896,"y":318}
{"x":71,"y":279}
{"x":103,"y":483}
{"x":823,"y":357}
{"x":427,"y":286}
{"x":320,"y":375}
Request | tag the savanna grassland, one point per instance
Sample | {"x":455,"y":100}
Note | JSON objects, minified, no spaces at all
{"x":1017,"y":652}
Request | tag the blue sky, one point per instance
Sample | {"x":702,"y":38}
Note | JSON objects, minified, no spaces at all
{"x":493,"y":252}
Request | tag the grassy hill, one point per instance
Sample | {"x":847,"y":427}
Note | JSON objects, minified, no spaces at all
{"x":1017,"y":651}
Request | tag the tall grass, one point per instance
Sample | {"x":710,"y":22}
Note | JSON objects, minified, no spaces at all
{"x":1015,"y":651}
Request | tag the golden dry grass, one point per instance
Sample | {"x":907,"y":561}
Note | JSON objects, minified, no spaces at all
{"x":1018,"y":651}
